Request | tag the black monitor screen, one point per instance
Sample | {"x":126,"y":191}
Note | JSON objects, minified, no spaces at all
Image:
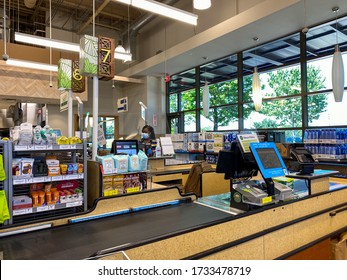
{"x":269,"y":158}
{"x":129,"y":147}
{"x":236,"y":164}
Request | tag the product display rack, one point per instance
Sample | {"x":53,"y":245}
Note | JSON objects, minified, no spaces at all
{"x":4,"y":153}
{"x":20,"y":185}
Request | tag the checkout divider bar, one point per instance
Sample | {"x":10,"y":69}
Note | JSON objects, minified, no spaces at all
{"x":130,"y":210}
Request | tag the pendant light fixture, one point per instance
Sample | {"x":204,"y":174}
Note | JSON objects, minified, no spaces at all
{"x":206,"y":96}
{"x":256,"y":87}
{"x":338,"y":75}
{"x":201,"y":4}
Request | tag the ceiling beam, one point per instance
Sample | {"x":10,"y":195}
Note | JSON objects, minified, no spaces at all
{"x":97,"y":12}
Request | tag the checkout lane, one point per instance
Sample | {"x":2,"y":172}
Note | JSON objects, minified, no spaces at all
{"x":81,"y":240}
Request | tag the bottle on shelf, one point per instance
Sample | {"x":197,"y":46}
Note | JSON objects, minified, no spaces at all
{"x":158,"y":149}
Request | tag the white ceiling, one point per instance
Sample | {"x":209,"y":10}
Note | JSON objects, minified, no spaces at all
{"x":269,"y":20}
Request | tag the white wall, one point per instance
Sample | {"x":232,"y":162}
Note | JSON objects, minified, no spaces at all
{"x":57,"y":119}
{"x":152,"y":37}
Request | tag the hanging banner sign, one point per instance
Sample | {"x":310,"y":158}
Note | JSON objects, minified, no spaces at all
{"x":106,"y":62}
{"x":64,"y":74}
{"x":122,"y":104}
{"x":78,"y":81}
{"x":101,"y":135}
{"x":64,"y":101}
{"x":88,"y":55}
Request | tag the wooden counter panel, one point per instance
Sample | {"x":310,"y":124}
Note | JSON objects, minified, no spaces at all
{"x":252,"y":250}
{"x":194,"y":242}
{"x":278,"y":215}
{"x":214,"y":183}
{"x":279,"y":242}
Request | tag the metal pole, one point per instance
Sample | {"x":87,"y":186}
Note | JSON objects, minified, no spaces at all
{"x":95,"y":116}
{"x":70,"y":114}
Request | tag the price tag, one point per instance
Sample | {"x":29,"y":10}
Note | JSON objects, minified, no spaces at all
{"x":132,"y":190}
{"x":38,"y":179}
{"x":57,"y":178}
{"x":42,"y":208}
{"x":31,"y":147}
{"x":29,"y":181}
{"x":51,"y":207}
{"x":19,"y":181}
{"x":20,"y":148}
{"x":22,"y":211}
{"x":74,"y":204}
{"x":40,"y":147}
{"x":80,"y":176}
{"x":71,"y":177}
{"x":49,"y":147}
{"x":266,"y":199}
{"x":110,"y":193}
{"x":48,"y":179}
{"x":64,"y":147}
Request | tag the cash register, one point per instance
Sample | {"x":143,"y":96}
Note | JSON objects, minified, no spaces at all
{"x":240,"y":164}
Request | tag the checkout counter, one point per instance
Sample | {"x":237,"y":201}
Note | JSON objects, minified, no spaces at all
{"x":164,"y":224}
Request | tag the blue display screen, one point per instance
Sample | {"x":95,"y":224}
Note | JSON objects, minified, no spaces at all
{"x":126,"y":147}
{"x":269,"y":160}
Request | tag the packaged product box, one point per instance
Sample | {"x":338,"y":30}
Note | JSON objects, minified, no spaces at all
{"x":127,"y":183}
{"x":135,"y":180}
{"x":21,"y":202}
{"x":289,"y":182}
{"x":63,"y":169}
{"x":118,"y":183}
{"x":107,"y":182}
{"x":27,"y":166}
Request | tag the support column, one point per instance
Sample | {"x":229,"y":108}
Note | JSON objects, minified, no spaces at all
{"x":95,"y":116}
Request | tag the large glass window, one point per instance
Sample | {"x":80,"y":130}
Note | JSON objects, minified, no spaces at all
{"x":324,"y":111}
{"x":173,"y":103}
{"x":286,"y":106}
{"x":220,"y":118}
{"x":278,"y":113}
{"x":188,"y":100}
{"x":221,"y":93}
{"x":189,"y":121}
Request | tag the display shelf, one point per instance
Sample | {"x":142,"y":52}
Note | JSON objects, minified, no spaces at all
{"x":43,"y":208}
{"x":20,"y":180}
{"x":53,"y":147}
{"x":20,"y":184}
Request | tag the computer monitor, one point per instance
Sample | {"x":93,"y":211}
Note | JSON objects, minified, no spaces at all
{"x":129,"y":147}
{"x":269,"y":160}
{"x":235,"y":164}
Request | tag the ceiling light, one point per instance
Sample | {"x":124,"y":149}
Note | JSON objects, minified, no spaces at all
{"x":120,"y":47}
{"x":123,"y":56}
{"x":32,"y":65}
{"x":61,"y":45}
{"x":46,"y":42}
{"x":202,"y":4}
{"x":162,"y":9}
{"x":256,"y":90}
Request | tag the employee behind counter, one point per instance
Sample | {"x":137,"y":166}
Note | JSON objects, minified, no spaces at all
{"x":148,"y":142}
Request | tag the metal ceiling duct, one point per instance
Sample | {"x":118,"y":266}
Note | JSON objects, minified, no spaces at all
{"x":137,"y":25}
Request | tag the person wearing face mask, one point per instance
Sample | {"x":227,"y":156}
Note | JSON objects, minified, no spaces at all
{"x":147,"y":137}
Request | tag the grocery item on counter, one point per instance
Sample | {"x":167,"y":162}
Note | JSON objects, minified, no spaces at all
{"x":143,"y":160}
{"x":107,"y":163}
{"x":121,"y":163}
{"x":133,"y":164}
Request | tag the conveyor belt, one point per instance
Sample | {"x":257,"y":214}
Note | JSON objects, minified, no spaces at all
{"x":81,"y":240}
